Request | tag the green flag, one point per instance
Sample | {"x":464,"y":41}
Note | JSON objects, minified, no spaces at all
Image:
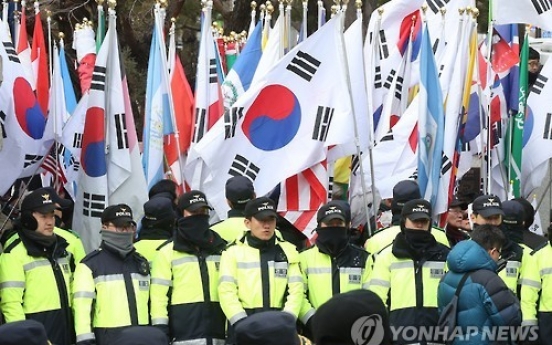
{"x":100,"y":32}
{"x":516,"y":123}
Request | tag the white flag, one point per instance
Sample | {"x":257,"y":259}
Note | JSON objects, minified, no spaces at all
{"x":537,"y":13}
{"x":286,"y":121}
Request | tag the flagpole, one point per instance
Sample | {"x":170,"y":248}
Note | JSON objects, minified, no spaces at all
{"x":490,"y":28}
{"x":355,"y":125}
{"x":288,"y":25}
{"x":5,"y":12}
{"x":172,"y":32}
{"x":304,"y":23}
{"x":253,"y":19}
{"x":320,"y":12}
{"x":16,"y":23}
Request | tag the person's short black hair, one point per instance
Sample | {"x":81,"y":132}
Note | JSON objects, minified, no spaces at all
{"x":488,"y":236}
{"x":533,"y":54}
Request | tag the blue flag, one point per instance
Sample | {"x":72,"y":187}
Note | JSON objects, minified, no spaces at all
{"x":431,"y":123}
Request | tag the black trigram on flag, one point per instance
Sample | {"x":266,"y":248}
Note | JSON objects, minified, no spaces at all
{"x":213,"y":76}
{"x":10,"y":50}
{"x":384,"y":48}
{"x":355,"y":163}
{"x":77,"y":140}
{"x":466,"y":147}
{"x":441,"y":69}
{"x":31,"y":159}
{"x":2,"y":124}
{"x":122,"y":134}
{"x":243,"y":167}
{"x":377,"y":77}
{"x":388,"y":136}
{"x":547,"y":132}
{"x":542,"y":6}
{"x":304,"y":65}
{"x":322,"y":125}
{"x":231,"y":118}
{"x":98,"y":78}
{"x":330,"y":187}
{"x":93,"y":205}
{"x":74,"y":163}
{"x":446,"y":164}
{"x":436,"y":5}
{"x":199,"y":126}
{"x":398,"y":88}
{"x":539,"y":84}
{"x":389,"y":79}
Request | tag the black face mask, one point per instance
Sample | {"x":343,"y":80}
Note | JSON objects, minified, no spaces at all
{"x":514,"y":234}
{"x":419,"y":240}
{"x":41,"y":239}
{"x":195,"y":229}
{"x":333,"y":239}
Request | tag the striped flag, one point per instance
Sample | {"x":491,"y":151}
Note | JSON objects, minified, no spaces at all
{"x":431,"y":123}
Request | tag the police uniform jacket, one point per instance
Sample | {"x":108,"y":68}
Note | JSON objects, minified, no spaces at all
{"x":35,"y":284}
{"x":326,"y":275}
{"x":410,"y":281}
{"x":536,"y":288}
{"x":110,"y":292}
{"x":260,"y":275}
{"x":184,"y":285}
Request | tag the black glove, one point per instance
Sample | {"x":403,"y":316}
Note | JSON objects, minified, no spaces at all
{"x":308,"y":329}
{"x":164,"y":328}
{"x":87,"y":342}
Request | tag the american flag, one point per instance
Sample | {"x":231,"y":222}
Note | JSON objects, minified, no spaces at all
{"x":55,"y":169}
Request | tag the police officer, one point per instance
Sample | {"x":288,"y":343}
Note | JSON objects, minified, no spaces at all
{"x":157,"y":227}
{"x":536,"y":295}
{"x":333,"y":265}
{"x":189,"y":267}
{"x":408,"y":272}
{"x":63,"y":206}
{"x":260,"y":271}
{"x":487,"y":209}
{"x":513,"y":251}
{"x":35,"y":271}
{"x":238,"y":190}
{"x":111,"y":285}
{"x":530,"y":239}
{"x":403,"y":192}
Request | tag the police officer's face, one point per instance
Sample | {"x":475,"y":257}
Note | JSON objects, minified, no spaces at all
{"x":495,"y":219}
{"x":263,"y":229}
{"x":336,"y":222}
{"x":46,"y":222}
{"x":417,"y":224}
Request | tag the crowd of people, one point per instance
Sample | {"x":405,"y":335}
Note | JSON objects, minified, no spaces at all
{"x":182,"y":280}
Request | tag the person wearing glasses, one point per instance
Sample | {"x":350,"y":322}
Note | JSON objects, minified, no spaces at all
{"x":457,"y":221}
{"x":111,"y":284}
{"x":484,"y":301}
{"x":533,"y":66}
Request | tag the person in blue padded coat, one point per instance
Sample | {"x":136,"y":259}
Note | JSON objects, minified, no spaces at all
{"x":487,"y":310}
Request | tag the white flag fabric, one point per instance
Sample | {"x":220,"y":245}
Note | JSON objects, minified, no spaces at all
{"x":537,"y":132}
{"x":286,"y":121}
{"x":355,"y":64}
{"x":125,"y":176}
{"x":537,"y":13}
{"x":25,"y":137}
{"x":92,"y":194}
